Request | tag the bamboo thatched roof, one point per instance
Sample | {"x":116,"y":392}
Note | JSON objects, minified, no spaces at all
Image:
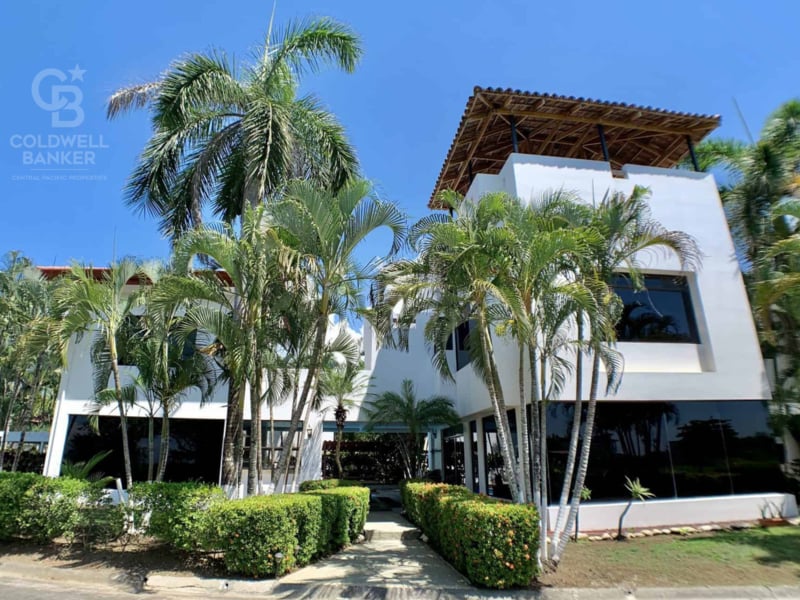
{"x":564,"y":126}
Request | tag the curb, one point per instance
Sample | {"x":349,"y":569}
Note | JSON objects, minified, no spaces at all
{"x":192,"y":586}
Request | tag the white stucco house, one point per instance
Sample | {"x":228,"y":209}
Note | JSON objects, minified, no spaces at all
{"x":690,"y":418}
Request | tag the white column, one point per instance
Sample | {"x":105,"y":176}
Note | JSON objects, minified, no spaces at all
{"x":482,"y":488}
{"x":58,"y":438}
{"x":468,"y":481}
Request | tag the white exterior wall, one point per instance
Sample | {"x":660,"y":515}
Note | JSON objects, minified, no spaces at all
{"x":726,"y":365}
{"x":601,"y":516}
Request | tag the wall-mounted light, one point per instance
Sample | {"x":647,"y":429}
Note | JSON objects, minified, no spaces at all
{"x":309,"y":431}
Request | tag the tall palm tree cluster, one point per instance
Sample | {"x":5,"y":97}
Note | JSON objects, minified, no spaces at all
{"x":250,"y":301}
{"x":761,"y":197}
{"x":29,"y":358}
{"x":538,"y":274}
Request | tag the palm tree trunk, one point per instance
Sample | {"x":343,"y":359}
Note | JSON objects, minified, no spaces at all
{"x":300,"y":450}
{"x":164,"y":446}
{"x":339,"y":435}
{"x":499,"y":405}
{"x":583,"y":465}
{"x":253,"y":481}
{"x":151,"y":442}
{"x":525,"y":450}
{"x":233,"y":425}
{"x":297,"y":413}
{"x":272,"y":445}
{"x":123,"y":416}
{"x":536,"y":429}
{"x":574,"y":437}
{"x":12,"y":400}
{"x":544,"y":550}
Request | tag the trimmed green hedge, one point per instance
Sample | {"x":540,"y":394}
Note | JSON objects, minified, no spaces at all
{"x":326,"y":484}
{"x":174,"y":512}
{"x":251,"y":533}
{"x":492,"y":542}
{"x":191,"y":517}
{"x":345,"y":511}
{"x":12,"y":493}
{"x":44,"y":508}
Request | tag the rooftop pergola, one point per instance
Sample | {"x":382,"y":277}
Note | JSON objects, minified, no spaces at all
{"x":497,"y":122}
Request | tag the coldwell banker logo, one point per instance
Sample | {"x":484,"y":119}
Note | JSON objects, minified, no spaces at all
{"x":65,"y":153}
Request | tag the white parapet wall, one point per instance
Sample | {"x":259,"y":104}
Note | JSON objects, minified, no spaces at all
{"x":604,"y":516}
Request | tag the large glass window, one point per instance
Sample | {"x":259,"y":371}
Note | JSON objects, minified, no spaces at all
{"x":677,"y":449}
{"x":662,"y":312}
{"x":195,"y":446}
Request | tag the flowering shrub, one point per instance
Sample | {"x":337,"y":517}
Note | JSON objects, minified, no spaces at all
{"x":492,"y":542}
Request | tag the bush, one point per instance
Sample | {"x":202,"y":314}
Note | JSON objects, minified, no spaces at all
{"x":252,"y":532}
{"x":174,"y":512}
{"x":345,"y":511}
{"x":44,"y":508}
{"x":492,"y":542}
{"x":13,"y":487}
{"x":326,"y":484}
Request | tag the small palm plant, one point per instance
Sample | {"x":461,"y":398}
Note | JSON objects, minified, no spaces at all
{"x":418,"y":416}
{"x":637,"y":492}
{"x":586,"y":495}
{"x":342,"y":385}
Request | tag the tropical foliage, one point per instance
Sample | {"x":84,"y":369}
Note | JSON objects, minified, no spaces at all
{"x":417,"y":416}
{"x":540,"y":274}
{"x":29,"y":354}
{"x":227,"y":135}
{"x":761,"y":197}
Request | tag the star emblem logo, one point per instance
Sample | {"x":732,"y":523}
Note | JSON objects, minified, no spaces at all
{"x":77,"y":73}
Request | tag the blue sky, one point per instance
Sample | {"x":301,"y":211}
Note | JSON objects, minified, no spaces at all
{"x":402,"y":106}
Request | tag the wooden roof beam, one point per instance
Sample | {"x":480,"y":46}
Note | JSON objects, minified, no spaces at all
{"x":605,"y":122}
{"x":472,"y":151}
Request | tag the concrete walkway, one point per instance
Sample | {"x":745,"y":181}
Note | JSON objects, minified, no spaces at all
{"x":391,"y":556}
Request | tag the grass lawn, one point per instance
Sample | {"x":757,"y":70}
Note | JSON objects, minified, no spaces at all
{"x":748,"y":557}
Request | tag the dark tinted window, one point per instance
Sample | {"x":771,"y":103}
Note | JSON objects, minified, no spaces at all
{"x":462,"y":349}
{"x":194,"y":447}
{"x":677,"y":449}
{"x":662,"y":312}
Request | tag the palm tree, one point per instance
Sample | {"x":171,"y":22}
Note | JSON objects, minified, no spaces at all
{"x":324,"y":229}
{"x":759,"y":176}
{"x":551,"y":247}
{"x":232,"y":134}
{"x":627,"y":233}
{"x":463,"y":274}
{"x":29,"y":356}
{"x":103,"y":305}
{"x":776,"y":302}
{"x":418,"y":416}
{"x":342,"y":386}
{"x":238,"y":309}
{"x":168,"y":367}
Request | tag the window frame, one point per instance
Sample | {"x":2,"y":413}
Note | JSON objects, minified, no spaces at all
{"x":677,"y":284}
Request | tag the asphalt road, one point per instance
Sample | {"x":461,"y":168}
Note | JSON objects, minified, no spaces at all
{"x":20,"y":589}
